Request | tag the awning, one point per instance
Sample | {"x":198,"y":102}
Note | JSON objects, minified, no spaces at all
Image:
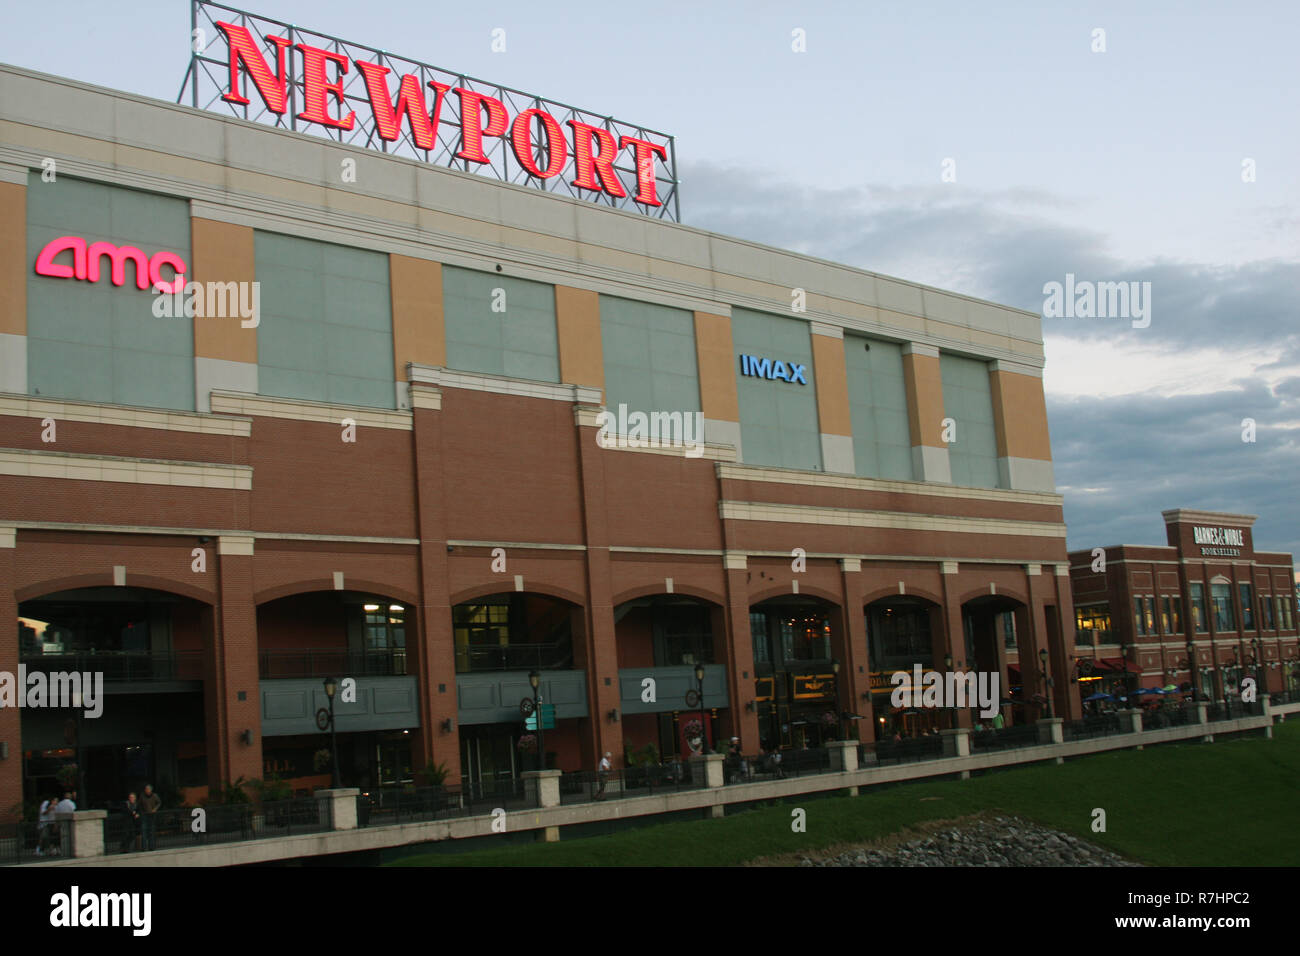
{"x":1118,"y":665}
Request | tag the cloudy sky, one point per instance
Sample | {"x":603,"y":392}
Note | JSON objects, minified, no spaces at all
{"x":1149,"y":142}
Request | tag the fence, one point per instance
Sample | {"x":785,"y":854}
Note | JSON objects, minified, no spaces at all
{"x":1005,"y":738}
{"x":587,"y":786}
{"x":123,"y":666}
{"x":1090,"y":727}
{"x":901,"y":751}
{"x":225,"y":823}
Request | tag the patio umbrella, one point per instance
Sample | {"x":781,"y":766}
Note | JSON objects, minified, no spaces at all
{"x":1099,"y":696}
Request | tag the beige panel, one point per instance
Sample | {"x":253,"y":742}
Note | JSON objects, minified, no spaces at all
{"x":577,"y":323}
{"x":13,"y":259}
{"x":832,"y":385}
{"x":924,"y":386}
{"x":221,"y":252}
{"x":715,"y":355}
{"x":419,"y":333}
{"x":1020,"y":416}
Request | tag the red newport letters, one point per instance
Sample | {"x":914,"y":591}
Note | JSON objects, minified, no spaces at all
{"x":594,"y":149}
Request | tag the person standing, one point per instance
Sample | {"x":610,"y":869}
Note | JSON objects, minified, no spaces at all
{"x":150,"y":804}
{"x":602,"y":774}
{"x":46,"y":829}
{"x":130,"y":824}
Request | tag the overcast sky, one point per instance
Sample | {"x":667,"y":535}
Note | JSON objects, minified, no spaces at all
{"x":1128,"y":164}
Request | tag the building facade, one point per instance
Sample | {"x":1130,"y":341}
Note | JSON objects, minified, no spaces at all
{"x":377,"y":449}
{"x":1208,"y":597}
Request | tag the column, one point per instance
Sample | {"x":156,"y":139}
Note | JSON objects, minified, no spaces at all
{"x":232,"y":696}
{"x":1020,"y":424}
{"x":924,"y":386}
{"x":954,"y":634}
{"x":13,"y":282}
{"x":719,"y":400}
{"x":225,"y":350}
{"x":1068,"y":699}
{"x":419,"y":333}
{"x":832,"y":382}
{"x":740,"y":652}
{"x":11,"y":766}
{"x":856,"y":679}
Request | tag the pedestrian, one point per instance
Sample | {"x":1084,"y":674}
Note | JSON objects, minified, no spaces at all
{"x":66,"y":805}
{"x":602,"y":774}
{"x":47,"y":830}
{"x":150,"y":804}
{"x":130,"y":824}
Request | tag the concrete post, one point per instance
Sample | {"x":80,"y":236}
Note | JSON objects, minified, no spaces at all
{"x":1266,"y":708}
{"x":1130,"y":721}
{"x":844,"y":755}
{"x":706,"y":769}
{"x":85,"y":830}
{"x":956,"y":742}
{"x":1203,"y":718}
{"x":542,"y":787}
{"x":338,"y":808}
{"x":1051,"y":730}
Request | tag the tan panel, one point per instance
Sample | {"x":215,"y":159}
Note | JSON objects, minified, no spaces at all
{"x":221,"y":252}
{"x":419,"y":333}
{"x":577,"y":323}
{"x":1020,"y":416}
{"x":13,"y":259}
{"x":715,"y":355}
{"x":832,"y":385}
{"x":924,"y":387}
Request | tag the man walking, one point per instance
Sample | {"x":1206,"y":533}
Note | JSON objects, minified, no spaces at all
{"x":130,"y":824}
{"x":602,"y":773}
{"x":150,"y":804}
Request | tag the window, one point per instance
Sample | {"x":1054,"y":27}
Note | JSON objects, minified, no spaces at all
{"x":1150,"y":603}
{"x":806,"y":637}
{"x":1139,"y":621}
{"x":1247,"y":606}
{"x":1266,"y":611}
{"x":1008,"y":629}
{"x":1164,"y":615}
{"x":1175,"y":612}
{"x":385,"y":627}
{"x":899,"y":635}
{"x":758,"y":636}
{"x":1221,"y":597}
{"x":683,"y":636}
{"x":1198,"y":607}
{"x":1092,"y":624}
{"x":1286,"y":607}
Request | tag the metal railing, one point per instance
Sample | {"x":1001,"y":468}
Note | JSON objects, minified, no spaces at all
{"x":513,"y":657}
{"x":330,"y":662}
{"x":1004,"y":738}
{"x":587,"y":786}
{"x":900,"y":751}
{"x":225,"y":823}
{"x":19,"y":842}
{"x":122,"y":666}
{"x":1089,"y":727}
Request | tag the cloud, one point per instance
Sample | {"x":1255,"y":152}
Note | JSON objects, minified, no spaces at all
{"x":1146,"y":419}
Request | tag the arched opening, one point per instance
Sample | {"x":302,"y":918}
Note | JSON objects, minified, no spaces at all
{"x":661,"y":638}
{"x":499,"y":640}
{"x":904,"y":633}
{"x":124,"y":668}
{"x":797,"y":692}
{"x":993,"y":626}
{"x":304,"y":638}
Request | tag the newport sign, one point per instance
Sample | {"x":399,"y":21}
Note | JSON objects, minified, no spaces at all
{"x":276,"y":73}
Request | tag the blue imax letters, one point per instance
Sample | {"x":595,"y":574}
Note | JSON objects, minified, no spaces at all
{"x":766,"y":368}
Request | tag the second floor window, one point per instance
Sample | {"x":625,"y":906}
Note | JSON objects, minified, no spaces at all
{"x":1198,"y":607}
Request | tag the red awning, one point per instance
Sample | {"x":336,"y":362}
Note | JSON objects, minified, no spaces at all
{"x":1118,"y":664}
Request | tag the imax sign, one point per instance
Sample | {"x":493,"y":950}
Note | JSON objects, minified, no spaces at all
{"x":769,"y":368}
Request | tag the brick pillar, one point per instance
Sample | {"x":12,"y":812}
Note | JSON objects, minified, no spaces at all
{"x":716,"y":360}
{"x":954,"y":633}
{"x":1037,"y":621}
{"x":1069,"y":702}
{"x":601,"y":648}
{"x":433,"y":655}
{"x":831,"y":381}
{"x":231,"y":690}
{"x":11,"y":767}
{"x":855,"y":678}
{"x":1020,"y":426}
{"x":225,"y":349}
{"x":923,"y":384}
{"x":740,"y":652}
{"x":415,"y":290}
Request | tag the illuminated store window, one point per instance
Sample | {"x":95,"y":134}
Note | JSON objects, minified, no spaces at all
{"x":1092,"y":624}
{"x":1221,"y":597}
{"x":1247,"y":606}
{"x":1266,"y":611}
{"x":1199,"y":617}
{"x":1149,"y":613}
{"x":1139,"y":621}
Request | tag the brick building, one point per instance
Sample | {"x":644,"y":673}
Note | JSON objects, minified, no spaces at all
{"x":394,"y":473}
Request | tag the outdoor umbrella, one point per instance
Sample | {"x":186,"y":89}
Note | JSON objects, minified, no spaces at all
{"x":1099,"y":697}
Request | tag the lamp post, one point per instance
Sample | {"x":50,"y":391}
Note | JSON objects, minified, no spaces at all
{"x":331,"y":687}
{"x":535,"y":681}
{"x":699,"y":687}
{"x":839,"y":718}
{"x":1047,"y":681}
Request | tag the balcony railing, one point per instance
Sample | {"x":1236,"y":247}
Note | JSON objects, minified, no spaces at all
{"x":331,"y":662}
{"x":513,"y":657}
{"x":122,"y":666}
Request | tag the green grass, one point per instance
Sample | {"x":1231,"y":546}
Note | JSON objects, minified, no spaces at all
{"x":1230,"y":803}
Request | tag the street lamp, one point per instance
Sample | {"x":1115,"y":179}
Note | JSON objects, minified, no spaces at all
{"x":1047,"y":681}
{"x":699,"y":686}
{"x":331,"y":687}
{"x":535,"y":681}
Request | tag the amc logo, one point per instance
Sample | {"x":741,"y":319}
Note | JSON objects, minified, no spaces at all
{"x":88,"y":260}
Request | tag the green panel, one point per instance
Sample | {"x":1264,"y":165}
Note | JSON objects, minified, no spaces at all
{"x":649,"y":356}
{"x":967,"y":400}
{"x":94,"y":341}
{"x":882,"y":441}
{"x":519,"y":340}
{"x":778,"y":420}
{"x":326,"y":331}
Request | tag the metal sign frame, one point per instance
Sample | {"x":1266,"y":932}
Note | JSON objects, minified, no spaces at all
{"x":206,"y":76}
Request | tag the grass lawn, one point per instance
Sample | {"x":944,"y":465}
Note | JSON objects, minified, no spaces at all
{"x":1230,"y":803}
